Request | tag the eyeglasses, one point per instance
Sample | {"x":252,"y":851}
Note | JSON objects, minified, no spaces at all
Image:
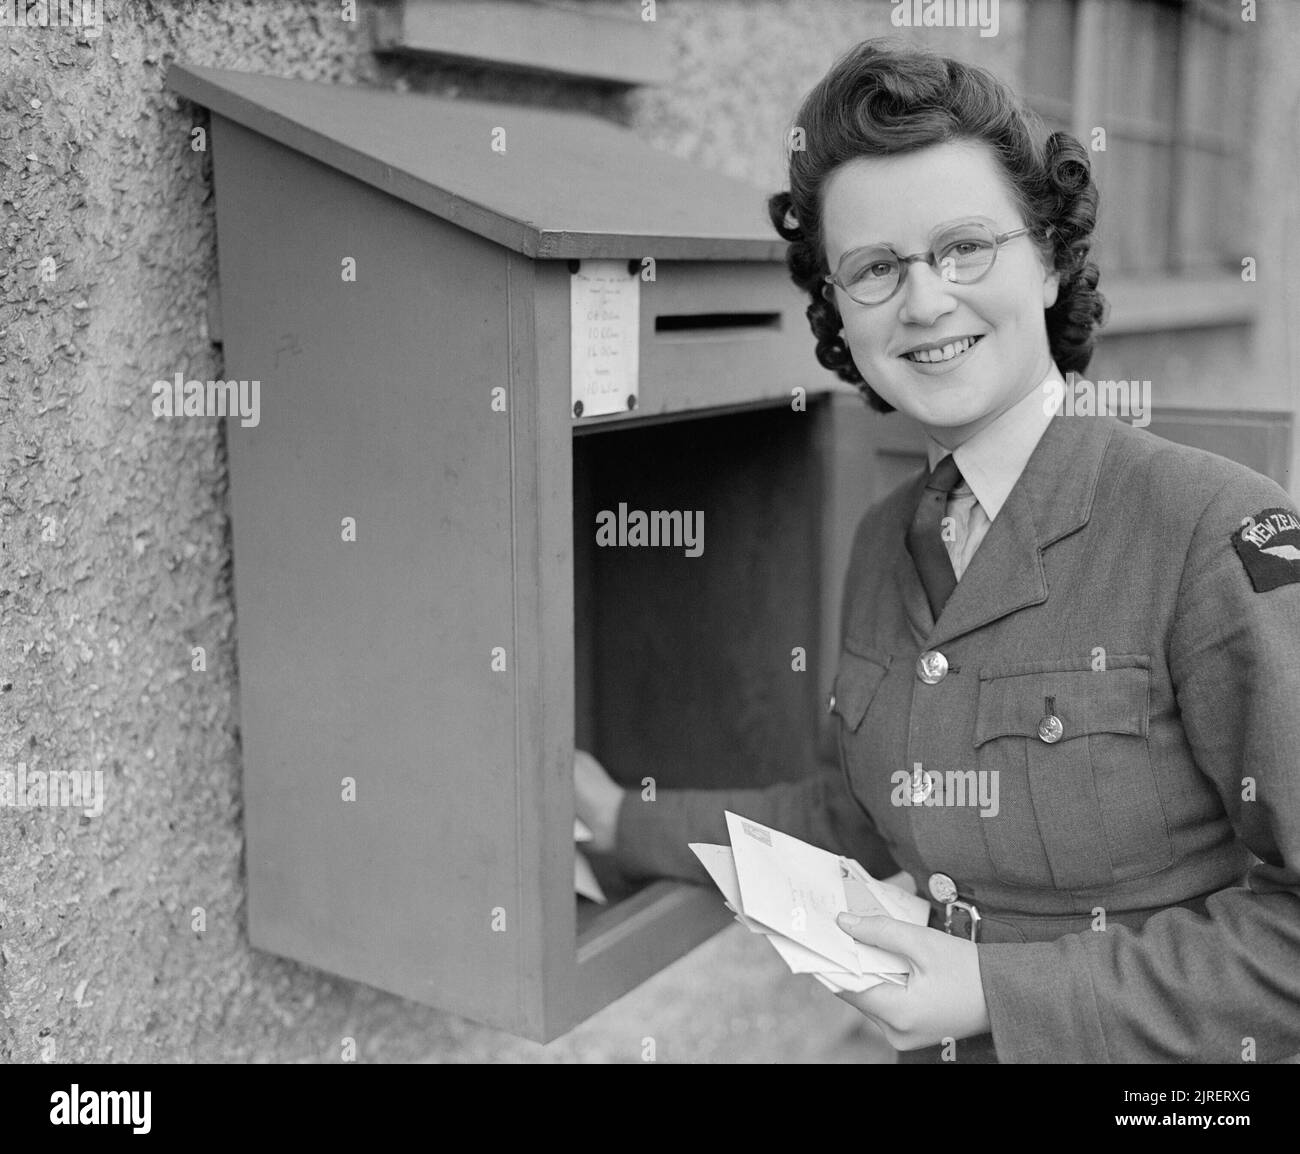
{"x":962,"y":254}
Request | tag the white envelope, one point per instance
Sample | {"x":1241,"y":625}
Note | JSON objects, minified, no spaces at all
{"x":718,"y":861}
{"x":898,"y":903}
{"x":849,"y":983}
{"x":862,"y":894}
{"x":584,"y":880}
{"x":801,"y":959}
{"x":793,"y":888}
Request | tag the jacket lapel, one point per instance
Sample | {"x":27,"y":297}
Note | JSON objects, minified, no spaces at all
{"x":1052,"y":498}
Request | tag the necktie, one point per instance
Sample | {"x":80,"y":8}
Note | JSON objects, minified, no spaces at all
{"x":925,"y":536}
{"x":971,"y":525}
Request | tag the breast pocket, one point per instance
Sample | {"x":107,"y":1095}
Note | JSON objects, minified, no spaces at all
{"x":1078,"y":803}
{"x":856,"y":680}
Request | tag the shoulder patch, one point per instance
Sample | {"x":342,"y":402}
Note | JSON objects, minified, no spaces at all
{"x":1269,"y":547}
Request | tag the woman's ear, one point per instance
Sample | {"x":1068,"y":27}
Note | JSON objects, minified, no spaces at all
{"x":1051,"y":288}
{"x":1051,"y":278}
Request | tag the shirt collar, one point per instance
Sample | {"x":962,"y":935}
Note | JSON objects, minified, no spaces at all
{"x":992,"y":460}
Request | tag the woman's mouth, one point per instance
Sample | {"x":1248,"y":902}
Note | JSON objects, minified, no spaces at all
{"x":944,"y":354}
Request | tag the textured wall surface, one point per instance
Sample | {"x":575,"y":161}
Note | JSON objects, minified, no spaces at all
{"x":115,"y":559}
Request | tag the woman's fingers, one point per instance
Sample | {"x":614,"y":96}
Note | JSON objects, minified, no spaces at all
{"x":886,"y":933}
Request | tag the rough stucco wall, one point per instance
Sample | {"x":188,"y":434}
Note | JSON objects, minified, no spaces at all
{"x":115,"y":561}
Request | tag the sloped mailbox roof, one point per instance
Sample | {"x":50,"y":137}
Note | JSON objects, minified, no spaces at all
{"x":567,"y":184}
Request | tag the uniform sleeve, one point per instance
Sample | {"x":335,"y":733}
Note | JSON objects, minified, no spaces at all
{"x":652,"y":836}
{"x":1223,"y":986}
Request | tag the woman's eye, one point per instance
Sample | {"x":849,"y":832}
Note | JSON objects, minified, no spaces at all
{"x":880,"y":270}
{"x":964,"y":248}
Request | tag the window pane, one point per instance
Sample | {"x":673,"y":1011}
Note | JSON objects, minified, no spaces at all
{"x":1049,"y":63}
{"x":1139,"y":53}
{"x":1137,"y":201}
{"x":1163,"y":67}
{"x":1145,"y":56}
{"x":1107,"y":238}
{"x":1207,"y":68}
{"x":1212,"y":229}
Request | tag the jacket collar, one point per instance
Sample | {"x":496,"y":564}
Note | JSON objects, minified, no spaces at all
{"x":992,"y":460}
{"x":1052,"y":499}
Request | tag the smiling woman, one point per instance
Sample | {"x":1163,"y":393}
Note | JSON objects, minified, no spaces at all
{"x":1067,"y":614}
{"x":952,"y":349}
{"x":903,"y":144}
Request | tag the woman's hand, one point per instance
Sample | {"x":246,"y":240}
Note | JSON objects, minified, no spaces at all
{"x":598,"y":799}
{"x":943,"y":997}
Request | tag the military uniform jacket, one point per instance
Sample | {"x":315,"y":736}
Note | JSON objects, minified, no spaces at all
{"x":1140,"y":879}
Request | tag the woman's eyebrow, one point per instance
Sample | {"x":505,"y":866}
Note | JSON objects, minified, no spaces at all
{"x":943,"y":226}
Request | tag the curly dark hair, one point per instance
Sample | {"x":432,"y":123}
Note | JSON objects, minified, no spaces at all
{"x":881,"y":98}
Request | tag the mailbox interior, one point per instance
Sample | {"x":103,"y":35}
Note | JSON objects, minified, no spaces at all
{"x":684,"y":663}
{"x":685,"y":666}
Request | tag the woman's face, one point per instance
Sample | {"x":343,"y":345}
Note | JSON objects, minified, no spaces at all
{"x":902,"y":201}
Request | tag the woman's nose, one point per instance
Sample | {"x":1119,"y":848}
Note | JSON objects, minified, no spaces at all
{"x":926,"y":295}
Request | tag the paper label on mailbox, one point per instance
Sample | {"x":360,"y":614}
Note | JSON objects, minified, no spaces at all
{"x":605,"y":327}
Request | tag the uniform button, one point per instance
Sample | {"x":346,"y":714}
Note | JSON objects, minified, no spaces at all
{"x":830,"y":703}
{"x":932,"y":667}
{"x":1050,"y":729}
{"x":922,"y":785}
{"x":943,"y":888}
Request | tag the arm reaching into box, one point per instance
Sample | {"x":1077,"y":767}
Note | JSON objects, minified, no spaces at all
{"x":650,"y":836}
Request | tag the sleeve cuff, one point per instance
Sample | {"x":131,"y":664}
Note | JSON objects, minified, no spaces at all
{"x":651,"y":837}
{"x":1041,"y":1003}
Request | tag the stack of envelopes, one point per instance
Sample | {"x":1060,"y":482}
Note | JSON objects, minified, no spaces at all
{"x":790,"y":892}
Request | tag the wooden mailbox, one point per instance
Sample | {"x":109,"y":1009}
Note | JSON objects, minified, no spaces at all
{"x":427,"y":290}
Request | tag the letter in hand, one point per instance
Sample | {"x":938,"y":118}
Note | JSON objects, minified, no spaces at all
{"x":597,"y":798}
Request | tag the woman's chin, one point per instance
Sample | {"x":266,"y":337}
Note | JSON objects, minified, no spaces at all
{"x":950,"y":417}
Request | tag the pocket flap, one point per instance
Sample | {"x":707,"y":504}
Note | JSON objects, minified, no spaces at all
{"x":1113,"y":700}
{"x":856,"y":682}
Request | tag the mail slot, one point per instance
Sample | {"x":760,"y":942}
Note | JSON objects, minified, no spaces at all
{"x":427,"y":620}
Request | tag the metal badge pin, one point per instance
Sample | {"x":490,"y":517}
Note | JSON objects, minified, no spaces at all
{"x":1051,"y":729}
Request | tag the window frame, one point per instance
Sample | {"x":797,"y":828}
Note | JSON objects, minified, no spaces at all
{"x":1185,"y":288}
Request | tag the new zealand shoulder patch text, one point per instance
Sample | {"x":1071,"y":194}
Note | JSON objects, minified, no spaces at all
{"x":1269,"y":547}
